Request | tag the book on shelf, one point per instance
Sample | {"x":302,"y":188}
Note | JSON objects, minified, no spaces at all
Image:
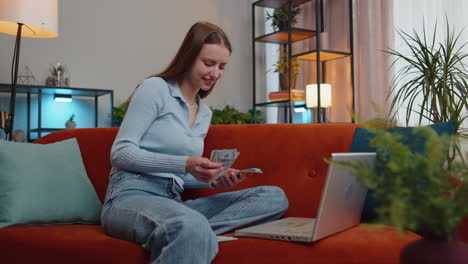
{"x":297,"y":95}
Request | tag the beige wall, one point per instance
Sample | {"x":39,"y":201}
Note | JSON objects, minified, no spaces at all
{"x":114,"y":44}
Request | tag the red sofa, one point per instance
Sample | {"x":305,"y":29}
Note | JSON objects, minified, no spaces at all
{"x":291,"y":156}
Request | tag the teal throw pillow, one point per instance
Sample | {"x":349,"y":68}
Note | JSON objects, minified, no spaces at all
{"x":360,"y":143}
{"x":362,"y":136}
{"x":45,"y":184}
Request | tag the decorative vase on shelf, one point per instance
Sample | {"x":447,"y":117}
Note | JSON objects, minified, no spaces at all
{"x":285,"y":81}
{"x":70,"y":124}
{"x":19,"y":136}
{"x":59,"y":76}
{"x":287,"y":69}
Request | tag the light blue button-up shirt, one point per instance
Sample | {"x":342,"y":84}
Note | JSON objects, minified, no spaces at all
{"x":155,"y":137}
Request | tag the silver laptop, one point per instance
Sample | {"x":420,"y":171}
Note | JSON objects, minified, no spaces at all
{"x":340,"y":208}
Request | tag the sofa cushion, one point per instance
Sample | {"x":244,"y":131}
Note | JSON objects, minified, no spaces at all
{"x":95,"y":145}
{"x":359,"y":245}
{"x":362,"y":136}
{"x":71,"y":244}
{"x":76,"y":244}
{"x":45,"y":184}
{"x":361,"y":141}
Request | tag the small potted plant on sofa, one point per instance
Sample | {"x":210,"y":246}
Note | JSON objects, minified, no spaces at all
{"x":415,"y":190}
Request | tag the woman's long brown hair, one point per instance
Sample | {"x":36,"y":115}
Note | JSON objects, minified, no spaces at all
{"x":200,"y":33}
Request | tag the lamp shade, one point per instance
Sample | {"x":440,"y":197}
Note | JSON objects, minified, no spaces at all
{"x":325,"y":95}
{"x":40,"y":17}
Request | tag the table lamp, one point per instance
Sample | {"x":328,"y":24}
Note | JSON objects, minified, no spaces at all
{"x":26,"y":18}
{"x":325,"y":97}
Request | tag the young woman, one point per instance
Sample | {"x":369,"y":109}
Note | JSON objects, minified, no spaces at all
{"x":157,"y":153}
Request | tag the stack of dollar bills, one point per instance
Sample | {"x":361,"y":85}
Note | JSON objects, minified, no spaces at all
{"x":227,"y":158}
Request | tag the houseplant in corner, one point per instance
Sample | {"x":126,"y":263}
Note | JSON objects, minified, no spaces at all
{"x":415,"y":190}
{"x":432,"y":83}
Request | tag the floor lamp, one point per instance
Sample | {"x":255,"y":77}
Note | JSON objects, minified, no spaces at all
{"x":25,"y":18}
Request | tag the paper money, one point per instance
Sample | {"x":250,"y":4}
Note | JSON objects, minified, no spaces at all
{"x":251,"y":170}
{"x":225,"y":238}
{"x":225,"y":157}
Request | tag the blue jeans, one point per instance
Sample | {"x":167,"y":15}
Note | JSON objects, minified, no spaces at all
{"x":148,"y":210}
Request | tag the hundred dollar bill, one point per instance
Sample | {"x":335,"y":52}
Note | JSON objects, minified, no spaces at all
{"x":225,"y":238}
{"x":251,"y":170}
{"x":225,"y":157}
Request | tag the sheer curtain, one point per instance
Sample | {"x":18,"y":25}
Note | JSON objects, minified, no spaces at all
{"x":373,"y":31}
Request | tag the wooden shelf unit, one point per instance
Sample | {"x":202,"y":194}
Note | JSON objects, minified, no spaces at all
{"x":295,"y":34}
{"x":278,"y":3}
{"x":281,"y":37}
{"x":325,"y":55}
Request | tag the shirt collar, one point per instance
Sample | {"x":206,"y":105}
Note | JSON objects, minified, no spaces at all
{"x":174,"y":90}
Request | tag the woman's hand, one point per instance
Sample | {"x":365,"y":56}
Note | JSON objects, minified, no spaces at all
{"x":229,"y":180}
{"x":203,"y":169}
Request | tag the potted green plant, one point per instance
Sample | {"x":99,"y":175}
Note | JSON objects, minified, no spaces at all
{"x":118,"y":114}
{"x":280,"y":20}
{"x":282,"y":67}
{"x":58,"y":76}
{"x":415,"y":190}
{"x":70,"y":122}
{"x":433,"y":82}
{"x":230,"y":115}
